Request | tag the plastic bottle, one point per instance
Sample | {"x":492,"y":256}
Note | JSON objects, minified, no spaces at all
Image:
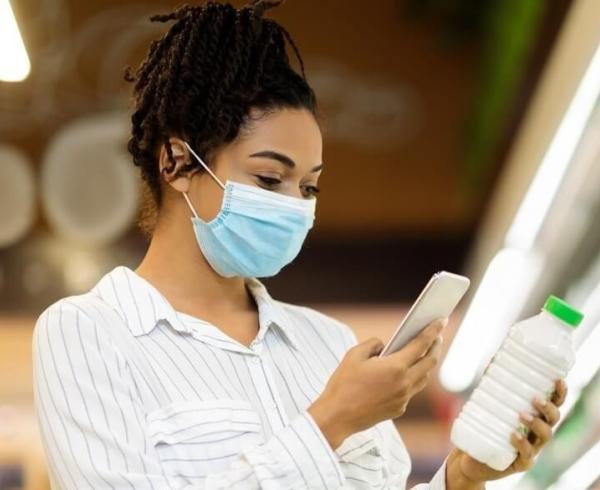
{"x":536,"y":352}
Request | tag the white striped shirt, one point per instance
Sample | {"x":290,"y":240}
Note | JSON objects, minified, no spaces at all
{"x":169,"y":401}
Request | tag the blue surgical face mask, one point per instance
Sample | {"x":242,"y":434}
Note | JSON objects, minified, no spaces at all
{"x":256,"y":232}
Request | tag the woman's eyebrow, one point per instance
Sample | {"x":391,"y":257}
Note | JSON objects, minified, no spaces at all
{"x":280,"y":157}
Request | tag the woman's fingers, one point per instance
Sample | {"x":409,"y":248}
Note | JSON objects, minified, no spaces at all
{"x":526,"y":452}
{"x":560,"y":392}
{"x":420,"y":345}
{"x":420,"y":370}
{"x":540,"y":429}
{"x":548,"y":410}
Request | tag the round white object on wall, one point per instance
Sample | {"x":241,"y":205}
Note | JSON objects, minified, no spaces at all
{"x":17,"y":195}
{"x":89,"y":184}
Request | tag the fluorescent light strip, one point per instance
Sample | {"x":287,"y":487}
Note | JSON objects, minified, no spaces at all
{"x":505,"y":285}
{"x":534,"y":208}
{"x":14,"y":62}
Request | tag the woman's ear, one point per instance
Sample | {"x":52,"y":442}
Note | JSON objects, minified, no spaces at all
{"x":177,"y":175}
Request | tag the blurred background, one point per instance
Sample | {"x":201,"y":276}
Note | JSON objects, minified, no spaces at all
{"x":459,"y":135}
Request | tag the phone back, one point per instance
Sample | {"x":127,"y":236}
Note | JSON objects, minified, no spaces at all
{"x":437,"y":300}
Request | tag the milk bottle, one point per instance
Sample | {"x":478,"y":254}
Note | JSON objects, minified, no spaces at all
{"x":536,"y":351}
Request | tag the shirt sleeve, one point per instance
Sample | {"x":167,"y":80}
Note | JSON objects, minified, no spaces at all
{"x":92,"y":425}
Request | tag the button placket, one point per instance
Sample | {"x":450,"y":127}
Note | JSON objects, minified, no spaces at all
{"x":268,"y":392}
{"x":274,"y":401}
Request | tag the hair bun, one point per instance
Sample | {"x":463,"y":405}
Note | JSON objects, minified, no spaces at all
{"x":261,"y":6}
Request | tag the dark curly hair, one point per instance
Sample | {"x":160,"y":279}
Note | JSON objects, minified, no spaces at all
{"x":200,"y":80}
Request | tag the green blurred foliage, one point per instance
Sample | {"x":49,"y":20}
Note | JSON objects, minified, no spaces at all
{"x":506,"y":31}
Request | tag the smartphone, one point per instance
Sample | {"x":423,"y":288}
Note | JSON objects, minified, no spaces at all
{"x":437,"y":300}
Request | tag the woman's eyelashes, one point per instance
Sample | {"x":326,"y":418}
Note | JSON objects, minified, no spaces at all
{"x":268,"y":182}
{"x":310,"y":190}
{"x":273,"y":183}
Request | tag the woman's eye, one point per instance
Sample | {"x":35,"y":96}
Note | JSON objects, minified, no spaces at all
{"x":311,"y":190}
{"x":268,"y":181}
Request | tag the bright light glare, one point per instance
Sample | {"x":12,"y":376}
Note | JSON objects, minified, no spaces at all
{"x":532,"y":212}
{"x":510,"y":276}
{"x":583,"y":473}
{"x":500,"y":296}
{"x":14,"y":62}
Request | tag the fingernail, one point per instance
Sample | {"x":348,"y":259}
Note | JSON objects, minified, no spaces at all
{"x":526,"y":416}
{"x":542,"y":401}
{"x":518,"y":435}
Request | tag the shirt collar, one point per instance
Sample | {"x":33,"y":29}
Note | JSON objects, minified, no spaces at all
{"x":142,"y":306}
{"x":271,"y":312}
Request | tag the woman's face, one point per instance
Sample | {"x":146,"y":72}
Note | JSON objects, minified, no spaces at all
{"x":279,"y":151}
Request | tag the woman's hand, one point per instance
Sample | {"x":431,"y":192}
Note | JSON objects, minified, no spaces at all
{"x":466,"y":472}
{"x":366,"y":389}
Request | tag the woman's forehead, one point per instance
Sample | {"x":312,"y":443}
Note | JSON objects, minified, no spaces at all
{"x":294,"y":132}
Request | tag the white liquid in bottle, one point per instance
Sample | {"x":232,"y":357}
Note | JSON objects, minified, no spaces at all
{"x":535,"y":353}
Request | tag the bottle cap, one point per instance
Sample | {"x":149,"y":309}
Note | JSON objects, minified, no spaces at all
{"x":563,"y":311}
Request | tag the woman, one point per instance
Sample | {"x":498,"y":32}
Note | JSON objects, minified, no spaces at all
{"x":185,"y":373}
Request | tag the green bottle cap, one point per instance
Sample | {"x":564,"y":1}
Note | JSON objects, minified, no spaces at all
{"x":563,"y":311}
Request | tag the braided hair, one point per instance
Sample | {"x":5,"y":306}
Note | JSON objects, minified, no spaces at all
{"x":202,"y":78}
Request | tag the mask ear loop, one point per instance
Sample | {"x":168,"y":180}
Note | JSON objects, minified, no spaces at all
{"x":211,"y":173}
{"x":187,"y":199}
{"x":217,"y":180}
